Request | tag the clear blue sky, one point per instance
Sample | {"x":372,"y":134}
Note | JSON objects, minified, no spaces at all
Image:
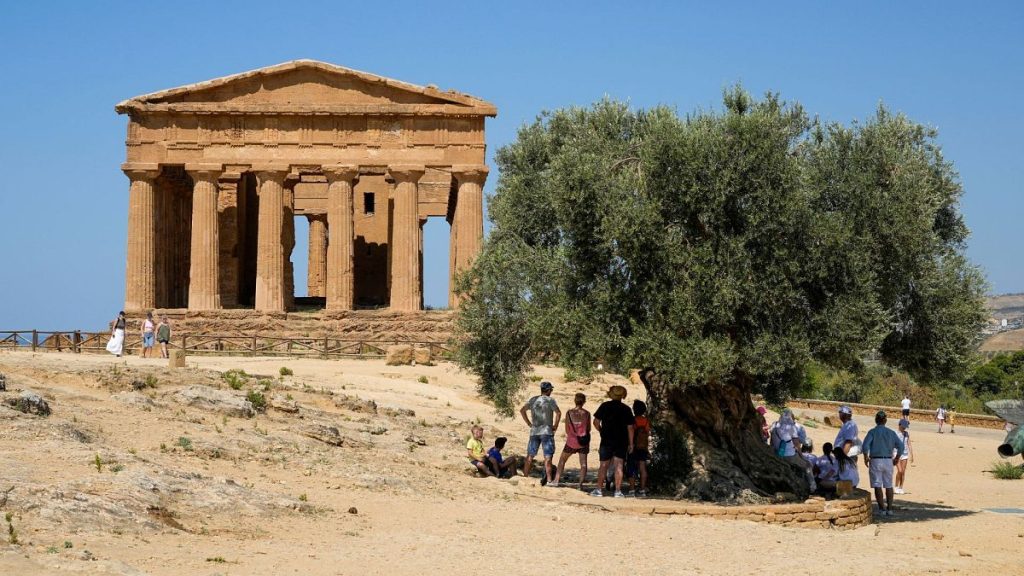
{"x":63,"y":200}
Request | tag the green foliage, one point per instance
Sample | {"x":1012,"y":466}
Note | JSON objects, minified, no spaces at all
{"x":1007,"y":471}
{"x":98,"y":463}
{"x":266,"y":384}
{"x":235,"y":378}
{"x":285,"y":371}
{"x":185,"y":443}
{"x":258,"y":400}
{"x":1002,"y":376}
{"x":422,"y":380}
{"x":724,"y":246}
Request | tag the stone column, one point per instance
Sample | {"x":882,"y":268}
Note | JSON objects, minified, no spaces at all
{"x":140,"y":274}
{"x":468,"y":222}
{"x":340,"y":278}
{"x":229,"y":207}
{"x":405,"y":241}
{"x":204,"y":268}
{"x":269,"y":241}
{"x":288,"y":227}
{"x":316,"y":275}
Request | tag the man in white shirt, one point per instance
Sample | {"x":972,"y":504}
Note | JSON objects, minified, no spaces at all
{"x":906,"y":406}
{"x":848,"y":431}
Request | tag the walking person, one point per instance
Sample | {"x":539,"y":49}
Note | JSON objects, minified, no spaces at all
{"x":148,"y":329}
{"x":905,"y":405}
{"x":116,"y":344}
{"x":940,"y":415}
{"x":614,"y":420}
{"x":543,"y":421}
{"x":907,"y":454}
{"x":951,"y":418}
{"x":163,"y":335}
{"x":577,"y":439}
{"x":882,"y":448}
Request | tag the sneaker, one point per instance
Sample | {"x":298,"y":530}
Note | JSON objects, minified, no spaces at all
{"x":597,"y":492}
{"x":898,"y":490}
{"x":642,"y":494}
{"x":618,"y":494}
{"x":887,"y":513}
{"x":552,"y":484}
{"x":632,"y":493}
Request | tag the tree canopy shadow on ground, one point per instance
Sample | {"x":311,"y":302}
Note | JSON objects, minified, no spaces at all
{"x":910,"y":511}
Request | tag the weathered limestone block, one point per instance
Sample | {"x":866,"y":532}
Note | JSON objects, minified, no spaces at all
{"x":421,"y":355}
{"x":30,"y":403}
{"x":282,"y":403}
{"x":177,"y":358}
{"x":325,"y":434}
{"x":3,"y":382}
{"x":355,"y":404}
{"x":213,"y":400}
{"x":399,"y":355}
{"x":134,"y":399}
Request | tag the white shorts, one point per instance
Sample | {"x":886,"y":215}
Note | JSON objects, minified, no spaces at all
{"x":880,"y":472}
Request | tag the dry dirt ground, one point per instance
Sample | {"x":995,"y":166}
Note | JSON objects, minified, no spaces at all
{"x":118,"y":481}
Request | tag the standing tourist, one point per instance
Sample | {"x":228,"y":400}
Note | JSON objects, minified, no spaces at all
{"x":940,"y":415}
{"x":905,"y":404}
{"x":163,"y":335}
{"x":882,"y":448}
{"x":148,"y":328}
{"x":543,"y":421}
{"x":951,"y":418}
{"x":116,"y":344}
{"x":848,"y":431}
{"x":641,"y":454}
{"x":761,"y":411}
{"x":577,"y":438}
{"x":907,"y":454}
{"x":614,"y":420}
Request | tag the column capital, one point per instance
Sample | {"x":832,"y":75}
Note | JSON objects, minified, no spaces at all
{"x":204,"y":172}
{"x":139,"y":171}
{"x":272,"y":173}
{"x":476,"y":173}
{"x":335,"y":172}
{"x":406,"y":172}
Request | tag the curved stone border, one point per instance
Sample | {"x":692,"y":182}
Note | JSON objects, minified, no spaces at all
{"x":853,"y":511}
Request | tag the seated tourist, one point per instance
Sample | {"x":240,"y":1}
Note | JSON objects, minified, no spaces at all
{"x":475,"y":451}
{"x":827,"y":469}
{"x":499,"y":465}
{"x":847,"y":465}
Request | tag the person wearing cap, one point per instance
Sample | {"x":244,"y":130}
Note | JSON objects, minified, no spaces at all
{"x":848,"y":431}
{"x":787,"y":440}
{"x":906,"y":454}
{"x":882,"y":448}
{"x":614,"y":420}
{"x":543,"y":421}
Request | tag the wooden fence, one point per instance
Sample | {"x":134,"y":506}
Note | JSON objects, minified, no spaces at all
{"x":78,"y":341}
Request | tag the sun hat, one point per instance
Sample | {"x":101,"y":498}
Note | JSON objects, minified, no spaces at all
{"x":617,"y":392}
{"x":904,"y":423}
{"x":545,"y":386}
{"x":844,"y":409}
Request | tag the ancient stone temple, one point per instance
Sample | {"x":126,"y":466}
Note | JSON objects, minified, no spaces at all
{"x":219,"y":171}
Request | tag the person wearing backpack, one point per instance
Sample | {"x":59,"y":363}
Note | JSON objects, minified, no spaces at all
{"x":577,"y":439}
{"x":636,"y":464}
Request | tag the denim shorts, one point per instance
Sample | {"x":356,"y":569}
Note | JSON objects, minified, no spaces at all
{"x":147,"y":340}
{"x":548,"y":440}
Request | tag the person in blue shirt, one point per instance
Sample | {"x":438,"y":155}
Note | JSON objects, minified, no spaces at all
{"x":882,"y":448}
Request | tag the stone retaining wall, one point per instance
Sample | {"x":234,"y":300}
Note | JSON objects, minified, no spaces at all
{"x":852,"y":511}
{"x":894,"y":412}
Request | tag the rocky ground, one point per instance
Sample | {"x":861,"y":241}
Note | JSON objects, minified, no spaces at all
{"x":354,"y":467}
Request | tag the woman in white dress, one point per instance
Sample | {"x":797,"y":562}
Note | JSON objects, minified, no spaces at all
{"x":116,"y":344}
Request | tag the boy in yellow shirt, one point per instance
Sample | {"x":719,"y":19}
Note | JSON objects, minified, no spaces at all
{"x":475,"y":451}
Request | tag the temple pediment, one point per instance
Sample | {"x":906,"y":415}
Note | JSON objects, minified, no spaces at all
{"x":307,"y":86}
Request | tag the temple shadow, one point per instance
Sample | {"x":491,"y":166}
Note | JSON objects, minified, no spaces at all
{"x":910,"y":511}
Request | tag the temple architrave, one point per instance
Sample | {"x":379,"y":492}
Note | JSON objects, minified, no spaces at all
{"x":219,"y":171}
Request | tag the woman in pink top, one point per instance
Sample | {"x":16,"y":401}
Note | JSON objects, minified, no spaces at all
{"x":577,"y":439}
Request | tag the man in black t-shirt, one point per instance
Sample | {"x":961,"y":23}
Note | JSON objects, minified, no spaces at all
{"x":614,"y":420}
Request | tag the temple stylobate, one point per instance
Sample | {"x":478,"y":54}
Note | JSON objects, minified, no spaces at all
{"x":221,"y":169}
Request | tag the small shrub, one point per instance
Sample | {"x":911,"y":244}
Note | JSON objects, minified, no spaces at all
{"x":51,"y":550}
{"x":185,"y":443}
{"x":258,"y":400}
{"x":68,"y":544}
{"x":535,"y":378}
{"x":422,"y":380}
{"x":98,"y":463}
{"x":235,"y":378}
{"x":216,"y":559}
{"x":266,"y":384}
{"x":285,"y":371}
{"x":117,"y":468}
{"x":303,"y":497}
{"x":1007,"y":471}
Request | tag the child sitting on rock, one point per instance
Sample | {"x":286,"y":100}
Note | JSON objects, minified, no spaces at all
{"x":496,"y":463}
{"x":475,"y":451}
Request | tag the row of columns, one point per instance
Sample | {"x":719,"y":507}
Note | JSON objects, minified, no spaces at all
{"x":331,"y":277}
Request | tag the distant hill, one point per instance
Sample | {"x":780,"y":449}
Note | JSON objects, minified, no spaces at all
{"x":1009,"y":307}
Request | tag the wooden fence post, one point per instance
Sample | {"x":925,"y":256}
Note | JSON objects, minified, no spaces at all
{"x":35,"y":340}
{"x":76,"y":341}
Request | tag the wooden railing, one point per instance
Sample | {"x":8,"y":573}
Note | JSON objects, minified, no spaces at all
{"x":78,"y":341}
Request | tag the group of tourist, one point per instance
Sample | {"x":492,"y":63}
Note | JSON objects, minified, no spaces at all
{"x":885,"y":452}
{"x":623,"y":451}
{"x":150,"y":331}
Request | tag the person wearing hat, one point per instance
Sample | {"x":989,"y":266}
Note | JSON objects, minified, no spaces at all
{"x":848,"y":431}
{"x":882,"y":448}
{"x":543,"y":421}
{"x":614,"y":420}
{"x":906,"y":454}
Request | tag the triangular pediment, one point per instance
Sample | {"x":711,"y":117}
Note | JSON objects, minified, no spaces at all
{"x":304,"y":85}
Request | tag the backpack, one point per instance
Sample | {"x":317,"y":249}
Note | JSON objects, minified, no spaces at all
{"x":642,"y":433}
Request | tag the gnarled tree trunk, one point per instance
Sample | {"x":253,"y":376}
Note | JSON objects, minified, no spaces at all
{"x":716,"y":428}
